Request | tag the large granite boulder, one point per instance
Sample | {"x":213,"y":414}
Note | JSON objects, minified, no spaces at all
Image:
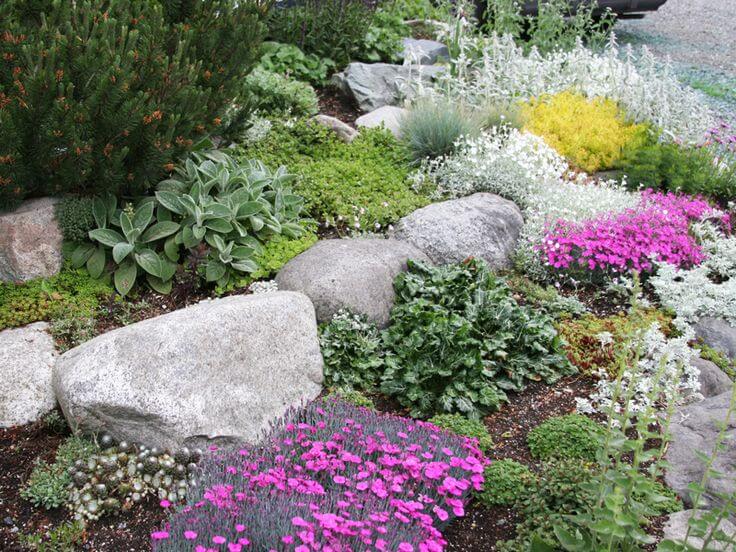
{"x":221,"y":370}
{"x":27,"y":358}
{"x":388,"y":116}
{"x":713,"y":381}
{"x":423,"y":51}
{"x":373,"y":85}
{"x":30,"y":241}
{"x":482,"y":225}
{"x":718,"y":334}
{"x":695,"y":427}
{"x":354,"y":274}
{"x":343,"y":131}
{"x":676,"y":528}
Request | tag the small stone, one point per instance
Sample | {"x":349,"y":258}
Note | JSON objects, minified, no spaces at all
{"x":344,"y":132}
{"x":388,"y":117}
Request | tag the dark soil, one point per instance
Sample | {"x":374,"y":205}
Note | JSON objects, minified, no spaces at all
{"x":334,"y":103}
{"x":19,"y":448}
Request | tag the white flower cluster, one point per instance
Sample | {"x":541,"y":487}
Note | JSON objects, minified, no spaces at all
{"x":663,"y":374}
{"x":496,"y":69}
{"x":705,"y":290}
{"x":523,"y":168}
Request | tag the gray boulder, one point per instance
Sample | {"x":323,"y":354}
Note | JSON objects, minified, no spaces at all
{"x":344,"y":132}
{"x":695,"y":428}
{"x":482,"y":225}
{"x":220,"y":370}
{"x":373,"y":85}
{"x":27,"y":358}
{"x":388,"y":116}
{"x":424,"y":52}
{"x":352,"y":274}
{"x":713,"y":381}
{"x":30,"y":241}
{"x":675,"y":529}
{"x":718,"y":334}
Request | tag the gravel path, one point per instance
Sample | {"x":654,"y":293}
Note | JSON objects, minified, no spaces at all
{"x":699,"y":37}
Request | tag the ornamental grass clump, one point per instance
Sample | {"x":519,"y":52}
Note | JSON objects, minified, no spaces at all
{"x":657,"y":230}
{"x":331,"y":476}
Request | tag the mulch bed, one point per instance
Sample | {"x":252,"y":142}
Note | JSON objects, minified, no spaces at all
{"x":335,"y":104}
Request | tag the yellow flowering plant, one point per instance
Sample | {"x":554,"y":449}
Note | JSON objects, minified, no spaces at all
{"x":590,"y":132}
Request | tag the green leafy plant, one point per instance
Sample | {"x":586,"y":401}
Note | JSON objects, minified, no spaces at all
{"x":507,"y":482}
{"x":333,"y":29}
{"x":75,"y":219}
{"x":363,"y":185}
{"x":571,"y":436}
{"x":70,"y":291}
{"x":459,"y":341}
{"x":678,"y":168}
{"x":48,"y":485}
{"x":277,"y":95}
{"x":382,"y":41}
{"x":289,"y":60}
{"x":431,"y":128}
{"x":131,"y":248}
{"x":719,"y":359}
{"x":546,"y":297}
{"x":457,"y":423}
{"x":353,"y":397}
{"x":278,"y":251}
{"x":67,"y":537}
{"x":92,"y":104}
{"x":71,"y":329}
{"x":213,"y":205}
{"x":351,"y":348}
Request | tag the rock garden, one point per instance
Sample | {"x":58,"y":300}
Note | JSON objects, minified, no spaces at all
{"x":335,"y":275}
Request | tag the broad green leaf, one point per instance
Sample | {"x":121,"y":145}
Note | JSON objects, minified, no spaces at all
{"x":126,"y":225}
{"x":96,"y":262}
{"x":121,"y":250}
{"x":159,"y":285}
{"x":199,"y":232}
{"x":143,"y":215}
{"x":170,"y":200}
{"x":171,"y":249}
{"x":245,"y":265}
{"x":256,"y":223}
{"x":106,"y":236}
{"x":80,"y":255}
{"x":149,"y":261}
{"x":99,"y":212}
{"x":219,"y":225}
{"x":159,"y":230}
{"x":248,"y":209}
{"x":125,"y":277}
{"x":215,"y":271}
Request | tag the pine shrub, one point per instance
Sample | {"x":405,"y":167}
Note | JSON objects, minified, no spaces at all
{"x":102,"y":95}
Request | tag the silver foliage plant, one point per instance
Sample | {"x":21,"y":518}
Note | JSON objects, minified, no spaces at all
{"x":496,"y":68}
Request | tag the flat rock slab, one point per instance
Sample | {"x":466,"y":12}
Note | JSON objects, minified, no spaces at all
{"x":27,"y":358}
{"x":675,"y":529}
{"x":481,"y":225}
{"x":695,"y":427}
{"x":388,"y":116}
{"x":221,"y":371}
{"x":423,"y":51}
{"x":353,"y":274}
{"x":717,"y":334}
{"x":373,"y":85}
{"x":30,"y":241}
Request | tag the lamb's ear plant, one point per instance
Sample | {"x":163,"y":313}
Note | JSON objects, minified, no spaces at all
{"x":127,"y":236}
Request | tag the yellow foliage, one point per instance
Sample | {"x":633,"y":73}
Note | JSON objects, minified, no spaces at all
{"x":590,"y":133}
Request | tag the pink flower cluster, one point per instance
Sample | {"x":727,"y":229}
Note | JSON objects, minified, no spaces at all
{"x":658,"y":229}
{"x":333,"y":478}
